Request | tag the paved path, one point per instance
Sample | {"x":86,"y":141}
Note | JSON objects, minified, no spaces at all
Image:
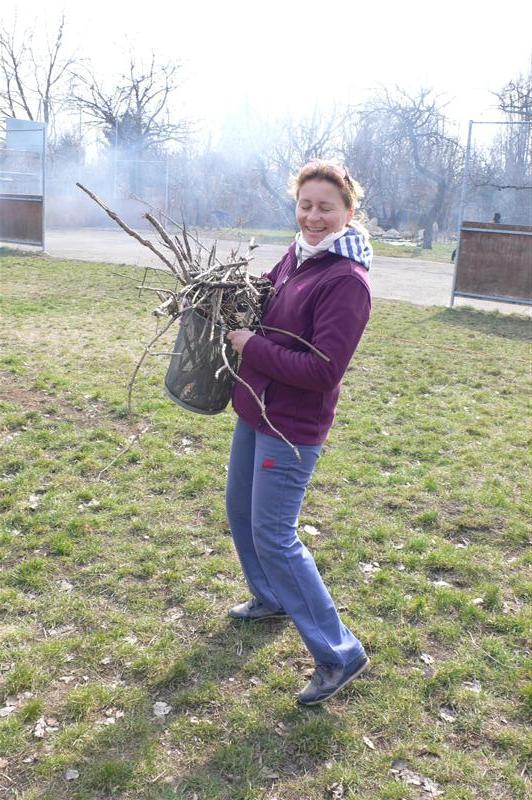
{"x":412,"y":280}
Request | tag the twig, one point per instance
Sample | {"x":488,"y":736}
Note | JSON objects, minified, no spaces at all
{"x":213,"y":258}
{"x":143,"y":281}
{"x":219,"y":284}
{"x":181,"y":227}
{"x":243,"y":262}
{"x":479,"y":647}
{"x":168,"y":241}
{"x":259,"y":402}
{"x":130,"y":444}
{"x":216,"y":313}
{"x":164,"y":353}
{"x":143,"y":356}
{"x":168,"y":306}
{"x":129,"y":230}
{"x":156,"y":288}
{"x":157,"y":777}
{"x":299,"y":338}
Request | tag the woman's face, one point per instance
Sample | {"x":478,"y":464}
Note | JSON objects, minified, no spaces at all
{"x":320,"y":210}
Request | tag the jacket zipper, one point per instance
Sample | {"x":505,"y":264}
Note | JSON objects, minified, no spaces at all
{"x":288,"y":278}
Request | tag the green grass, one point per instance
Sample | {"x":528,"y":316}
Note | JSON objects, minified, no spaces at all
{"x":262,"y":235}
{"x":441,"y":251}
{"x":113,"y":590}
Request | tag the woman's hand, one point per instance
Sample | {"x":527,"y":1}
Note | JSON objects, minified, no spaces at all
{"x":239,"y":338}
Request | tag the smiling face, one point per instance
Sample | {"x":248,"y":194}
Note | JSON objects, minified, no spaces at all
{"x":320,"y":210}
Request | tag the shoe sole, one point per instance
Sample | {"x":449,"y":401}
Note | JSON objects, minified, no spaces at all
{"x":356,"y":674}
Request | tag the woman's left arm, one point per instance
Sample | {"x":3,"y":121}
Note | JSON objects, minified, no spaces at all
{"x":340,"y":316}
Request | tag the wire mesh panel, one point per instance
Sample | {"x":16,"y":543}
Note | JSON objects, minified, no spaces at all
{"x":22,"y":148}
{"x":191,"y":379}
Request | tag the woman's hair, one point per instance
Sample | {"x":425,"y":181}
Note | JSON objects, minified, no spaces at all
{"x":321,"y":170}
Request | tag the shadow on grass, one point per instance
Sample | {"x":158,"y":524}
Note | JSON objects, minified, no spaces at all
{"x":516,"y":327}
{"x":228,"y":765}
{"x":295,"y":744}
{"x":263,"y":738}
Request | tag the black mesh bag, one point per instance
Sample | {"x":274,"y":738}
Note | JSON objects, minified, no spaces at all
{"x":190,"y":379}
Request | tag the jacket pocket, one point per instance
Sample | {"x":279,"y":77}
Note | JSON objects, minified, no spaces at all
{"x":244,"y":403}
{"x":257,"y":380}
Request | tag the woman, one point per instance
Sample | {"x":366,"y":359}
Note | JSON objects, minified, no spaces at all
{"x":320,"y":294}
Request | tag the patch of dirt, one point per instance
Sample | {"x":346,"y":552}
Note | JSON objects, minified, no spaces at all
{"x":468,"y":530}
{"x":25,"y":399}
{"x":56,"y":406}
{"x":452,"y":508}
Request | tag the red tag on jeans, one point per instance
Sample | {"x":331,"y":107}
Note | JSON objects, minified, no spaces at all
{"x":268,"y":463}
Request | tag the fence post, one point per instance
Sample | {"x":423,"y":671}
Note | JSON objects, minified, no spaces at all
{"x":462,"y":206}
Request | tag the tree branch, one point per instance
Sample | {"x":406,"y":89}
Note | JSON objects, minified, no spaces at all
{"x":129,"y":230}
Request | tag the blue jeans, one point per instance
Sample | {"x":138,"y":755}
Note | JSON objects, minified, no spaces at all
{"x":265,"y":489}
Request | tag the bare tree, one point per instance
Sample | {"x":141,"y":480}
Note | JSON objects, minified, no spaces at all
{"x":133,"y":114}
{"x":515,"y":101}
{"x":413,"y":128}
{"x":33,"y":79}
{"x":318,"y":136}
{"x":515,"y":98}
{"x":381,"y":164}
{"x":499,"y":175}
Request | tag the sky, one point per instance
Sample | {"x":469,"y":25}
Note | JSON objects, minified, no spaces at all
{"x":288,"y":56}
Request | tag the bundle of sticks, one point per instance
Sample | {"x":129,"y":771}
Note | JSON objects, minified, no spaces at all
{"x":219,"y":289}
{"x":222,"y":292}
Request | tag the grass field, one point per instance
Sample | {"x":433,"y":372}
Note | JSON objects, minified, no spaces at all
{"x":441,"y":251}
{"x":118,"y":567}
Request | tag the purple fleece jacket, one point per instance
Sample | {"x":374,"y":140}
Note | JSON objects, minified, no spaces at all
{"x":327,"y":302}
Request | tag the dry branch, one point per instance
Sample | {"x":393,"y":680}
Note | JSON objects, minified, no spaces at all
{"x":139,"y":364}
{"x":172,"y":245}
{"x":125,"y":449}
{"x":299,"y":339}
{"x":114,"y":216}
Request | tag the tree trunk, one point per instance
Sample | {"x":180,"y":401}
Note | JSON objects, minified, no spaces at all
{"x":427,"y":233}
{"x":432,"y":214}
{"x":284,"y":206}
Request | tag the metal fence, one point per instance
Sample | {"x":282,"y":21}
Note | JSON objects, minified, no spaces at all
{"x":494,"y":253}
{"x":22,"y":182}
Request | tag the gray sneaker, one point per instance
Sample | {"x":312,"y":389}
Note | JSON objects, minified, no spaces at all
{"x":327,"y":680}
{"x":254,"y":611}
